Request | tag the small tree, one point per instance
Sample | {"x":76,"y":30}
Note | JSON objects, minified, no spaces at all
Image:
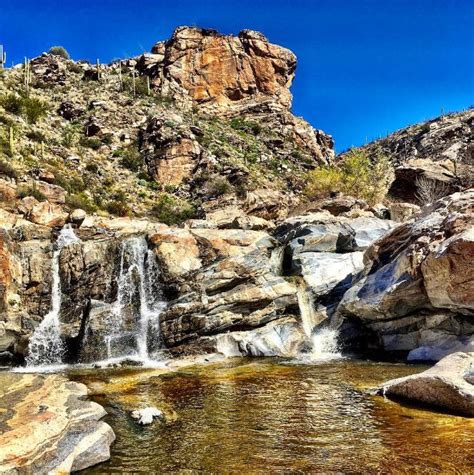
{"x":358,"y":175}
{"x":59,"y":51}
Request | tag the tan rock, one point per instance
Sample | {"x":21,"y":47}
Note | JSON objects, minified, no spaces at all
{"x":54,"y":193}
{"x":443,"y":386}
{"x":402,"y":212}
{"x":48,"y":214}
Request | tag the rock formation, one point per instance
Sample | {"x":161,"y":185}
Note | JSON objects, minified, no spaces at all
{"x":447,"y":385}
{"x":416,"y":290}
{"x":47,"y":427}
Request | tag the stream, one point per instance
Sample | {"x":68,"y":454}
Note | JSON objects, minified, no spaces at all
{"x":275,"y":416}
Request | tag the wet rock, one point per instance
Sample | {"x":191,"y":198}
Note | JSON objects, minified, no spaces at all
{"x":444,"y":386}
{"x":146,"y":416}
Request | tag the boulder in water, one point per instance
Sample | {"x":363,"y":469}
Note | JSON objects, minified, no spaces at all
{"x":147,"y":415}
{"x":447,"y":385}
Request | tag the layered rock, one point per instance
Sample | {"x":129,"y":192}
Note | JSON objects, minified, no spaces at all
{"x":48,"y":427}
{"x":415,"y":293}
{"x":447,"y":386}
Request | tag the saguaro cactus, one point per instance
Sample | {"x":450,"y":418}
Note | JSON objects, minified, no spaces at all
{"x":3,"y":57}
{"x":11,"y":142}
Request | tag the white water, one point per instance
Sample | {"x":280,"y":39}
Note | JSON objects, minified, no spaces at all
{"x":138,"y":274}
{"x":46,"y":347}
{"x":324,"y":341}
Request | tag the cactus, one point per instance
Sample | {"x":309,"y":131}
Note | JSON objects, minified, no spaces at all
{"x":98,"y":70}
{"x":148,"y":91}
{"x":133,"y":83}
{"x":120,"y":76}
{"x":27,"y":74}
{"x":11,"y":142}
{"x":3,"y":57}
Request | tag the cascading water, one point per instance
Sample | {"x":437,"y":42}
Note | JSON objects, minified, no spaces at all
{"x":324,"y":344}
{"x":133,"y":328}
{"x":45,"y":346}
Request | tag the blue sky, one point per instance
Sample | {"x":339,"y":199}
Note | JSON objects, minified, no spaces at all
{"x":365,"y":67}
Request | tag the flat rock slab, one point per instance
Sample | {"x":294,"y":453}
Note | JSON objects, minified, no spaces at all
{"x":46,"y":426}
{"x":447,"y":385}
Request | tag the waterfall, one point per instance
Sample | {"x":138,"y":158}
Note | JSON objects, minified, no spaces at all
{"x":45,"y":346}
{"x":324,"y":344}
{"x":138,"y":305}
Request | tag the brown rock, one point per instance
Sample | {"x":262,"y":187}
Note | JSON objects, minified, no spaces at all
{"x":48,"y":214}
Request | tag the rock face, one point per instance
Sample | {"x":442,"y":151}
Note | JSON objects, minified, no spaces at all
{"x":416,"y":290}
{"x":217,"y":69}
{"x":446,"y":386}
{"x":47,"y":427}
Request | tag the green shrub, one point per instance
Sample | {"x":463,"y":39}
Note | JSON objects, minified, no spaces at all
{"x":92,"y":168}
{"x":69,"y":136}
{"x":59,"y":51}
{"x":118,"y":207}
{"x":218,"y":186}
{"x":141,"y":85}
{"x":82,"y":201}
{"x":130,"y":158}
{"x":12,"y":103}
{"x":7,"y":170}
{"x":71,"y":184}
{"x":246,"y":125}
{"x":357,"y":175}
{"x":171,"y":210}
{"x":36,"y":136}
{"x":34,"y":109}
{"x":6,"y":120}
{"x":93,"y":143}
{"x":75,"y":68}
{"x":25,"y":191}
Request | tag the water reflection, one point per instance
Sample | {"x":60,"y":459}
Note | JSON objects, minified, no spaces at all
{"x":261,"y":417}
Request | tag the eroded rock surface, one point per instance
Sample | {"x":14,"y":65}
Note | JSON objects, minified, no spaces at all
{"x":48,"y":427}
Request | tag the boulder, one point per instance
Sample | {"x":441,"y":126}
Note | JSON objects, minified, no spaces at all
{"x":402,"y":212}
{"x":445,"y":386}
{"x":48,"y":214}
{"x":48,"y":427}
{"x":147,"y":415}
{"x":414,"y":273}
{"x":77,"y":217}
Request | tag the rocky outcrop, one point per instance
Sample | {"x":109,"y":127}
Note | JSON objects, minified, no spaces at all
{"x":440,"y":152}
{"x":48,"y":427}
{"x":217,"y":69}
{"x":416,"y":290}
{"x":446,"y":386}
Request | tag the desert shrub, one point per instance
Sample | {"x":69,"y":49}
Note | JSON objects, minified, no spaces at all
{"x":357,"y":175}
{"x":59,"y":51}
{"x":172,"y":210}
{"x":141,"y":85}
{"x":5,"y":120}
{"x":69,"y":136}
{"x":218,"y":186}
{"x":93,"y":143}
{"x":82,"y":201}
{"x":12,"y":103}
{"x":36,"y":136}
{"x":130,"y":158}
{"x":75,"y":68}
{"x":34,"y":109}
{"x":25,"y":191}
{"x":71,"y":184}
{"x":92,"y":168}
{"x":428,"y":191}
{"x":118,"y":207}
{"x":7,"y":170}
{"x":246,"y":125}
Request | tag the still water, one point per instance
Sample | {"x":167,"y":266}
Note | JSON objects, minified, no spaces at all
{"x":270,"y":416}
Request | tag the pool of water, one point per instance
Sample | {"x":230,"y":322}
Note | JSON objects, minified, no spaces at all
{"x":270,"y":416}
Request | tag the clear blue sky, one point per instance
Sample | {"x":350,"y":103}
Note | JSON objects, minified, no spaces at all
{"x":365,"y":67}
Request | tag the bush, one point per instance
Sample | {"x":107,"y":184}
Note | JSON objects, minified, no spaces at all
{"x":246,"y":125}
{"x":141,"y":85}
{"x":357,"y":175}
{"x":171,"y":210}
{"x":91,"y":142}
{"x":130,"y":158}
{"x":82,"y":201}
{"x":118,"y":207}
{"x":12,"y":103}
{"x":7,"y":170}
{"x":25,"y":191}
{"x":32,"y":108}
{"x":218,"y":186}
{"x":59,"y":51}
{"x":36,"y":136}
{"x":92,"y":168}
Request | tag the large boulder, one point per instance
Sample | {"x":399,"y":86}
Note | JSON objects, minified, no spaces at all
{"x":48,"y":427}
{"x":417,"y":270}
{"x":447,"y":386}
